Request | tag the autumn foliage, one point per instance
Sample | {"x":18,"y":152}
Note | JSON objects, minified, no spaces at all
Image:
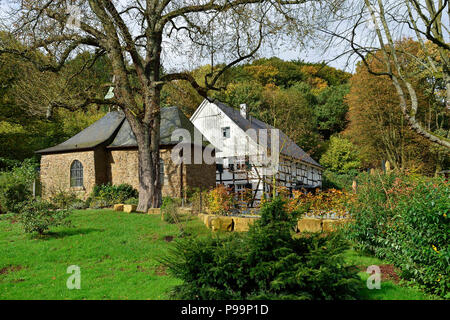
{"x":221,"y":200}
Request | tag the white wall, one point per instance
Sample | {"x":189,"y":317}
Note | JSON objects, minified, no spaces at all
{"x":210,"y":120}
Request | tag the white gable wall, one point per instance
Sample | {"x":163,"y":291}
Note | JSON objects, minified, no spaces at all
{"x":210,"y":120}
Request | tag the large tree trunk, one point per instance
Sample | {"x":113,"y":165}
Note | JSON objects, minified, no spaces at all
{"x":149,"y":166}
{"x":149,"y":137}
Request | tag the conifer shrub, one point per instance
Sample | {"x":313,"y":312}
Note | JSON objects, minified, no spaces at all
{"x":268,"y":262}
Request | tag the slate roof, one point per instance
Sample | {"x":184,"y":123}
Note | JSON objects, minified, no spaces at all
{"x":114,"y":131}
{"x":287,"y":146}
{"x":96,"y":134}
{"x":171,"y":118}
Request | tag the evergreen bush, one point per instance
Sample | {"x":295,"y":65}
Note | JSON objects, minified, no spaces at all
{"x":113,"y":194}
{"x":268,"y":262}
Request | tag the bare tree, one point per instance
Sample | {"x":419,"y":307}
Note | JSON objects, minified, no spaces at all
{"x":366,"y":27}
{"x":137,"y":35}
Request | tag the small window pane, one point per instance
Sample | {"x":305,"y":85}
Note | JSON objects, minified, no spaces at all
{"x":226,"y":132}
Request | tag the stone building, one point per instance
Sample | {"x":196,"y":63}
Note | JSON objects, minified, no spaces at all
{"x":106,"y":152}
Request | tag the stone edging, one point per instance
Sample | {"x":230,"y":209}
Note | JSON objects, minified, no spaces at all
{"x":242,"y":224}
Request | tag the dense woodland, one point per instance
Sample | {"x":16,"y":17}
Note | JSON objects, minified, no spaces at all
{"x":346,"y":121}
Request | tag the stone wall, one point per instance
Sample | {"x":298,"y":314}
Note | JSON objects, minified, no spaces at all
{"x":119,"y":166}
{"x":101,"y":157}
{"x":55,"y":173}
{"x":123,"y":168}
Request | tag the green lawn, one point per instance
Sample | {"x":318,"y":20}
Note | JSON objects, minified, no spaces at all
{"x":389,"y":290}
{"x":118,"y":254}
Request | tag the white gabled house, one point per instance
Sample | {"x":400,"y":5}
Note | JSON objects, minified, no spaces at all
{"x":243,"y":144}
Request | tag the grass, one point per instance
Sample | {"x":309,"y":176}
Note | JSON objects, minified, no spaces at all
{"x":389,"y":290}
{"x":118,"y":254}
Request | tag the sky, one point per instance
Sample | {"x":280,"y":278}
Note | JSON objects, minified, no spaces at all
{"x":176,"y":61}
{"x":173,"y":61}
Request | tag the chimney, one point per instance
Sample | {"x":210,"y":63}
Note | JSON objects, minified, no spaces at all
{"x":244,"y":110}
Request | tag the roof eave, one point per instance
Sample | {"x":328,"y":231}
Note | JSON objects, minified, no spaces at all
{"x":46,"y":151}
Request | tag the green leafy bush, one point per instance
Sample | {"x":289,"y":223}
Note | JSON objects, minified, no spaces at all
{"x":13,"y":194}
{"x":113,"y":194}
{"x":8,"y":164}
{"x":64,"y":199}
{"x":404,"y":220}
{"x":340,"y":181}
{"x":16,"y":185}
{"x":78,"y":205}
{"x":341,"y":156}
{"x":169,"y":210}
{"x":99,"y":204}
{"x":134,"y":201}
{"x":266,"y":263}
{"x":38,"y":216}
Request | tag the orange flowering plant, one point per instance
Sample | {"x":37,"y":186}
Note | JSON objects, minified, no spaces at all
{"x":329,"y":201}
{"x":321,"y":203}
{"x":221,"y":200}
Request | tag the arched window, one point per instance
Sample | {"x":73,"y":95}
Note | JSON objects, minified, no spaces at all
{"x":76,"y":174}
